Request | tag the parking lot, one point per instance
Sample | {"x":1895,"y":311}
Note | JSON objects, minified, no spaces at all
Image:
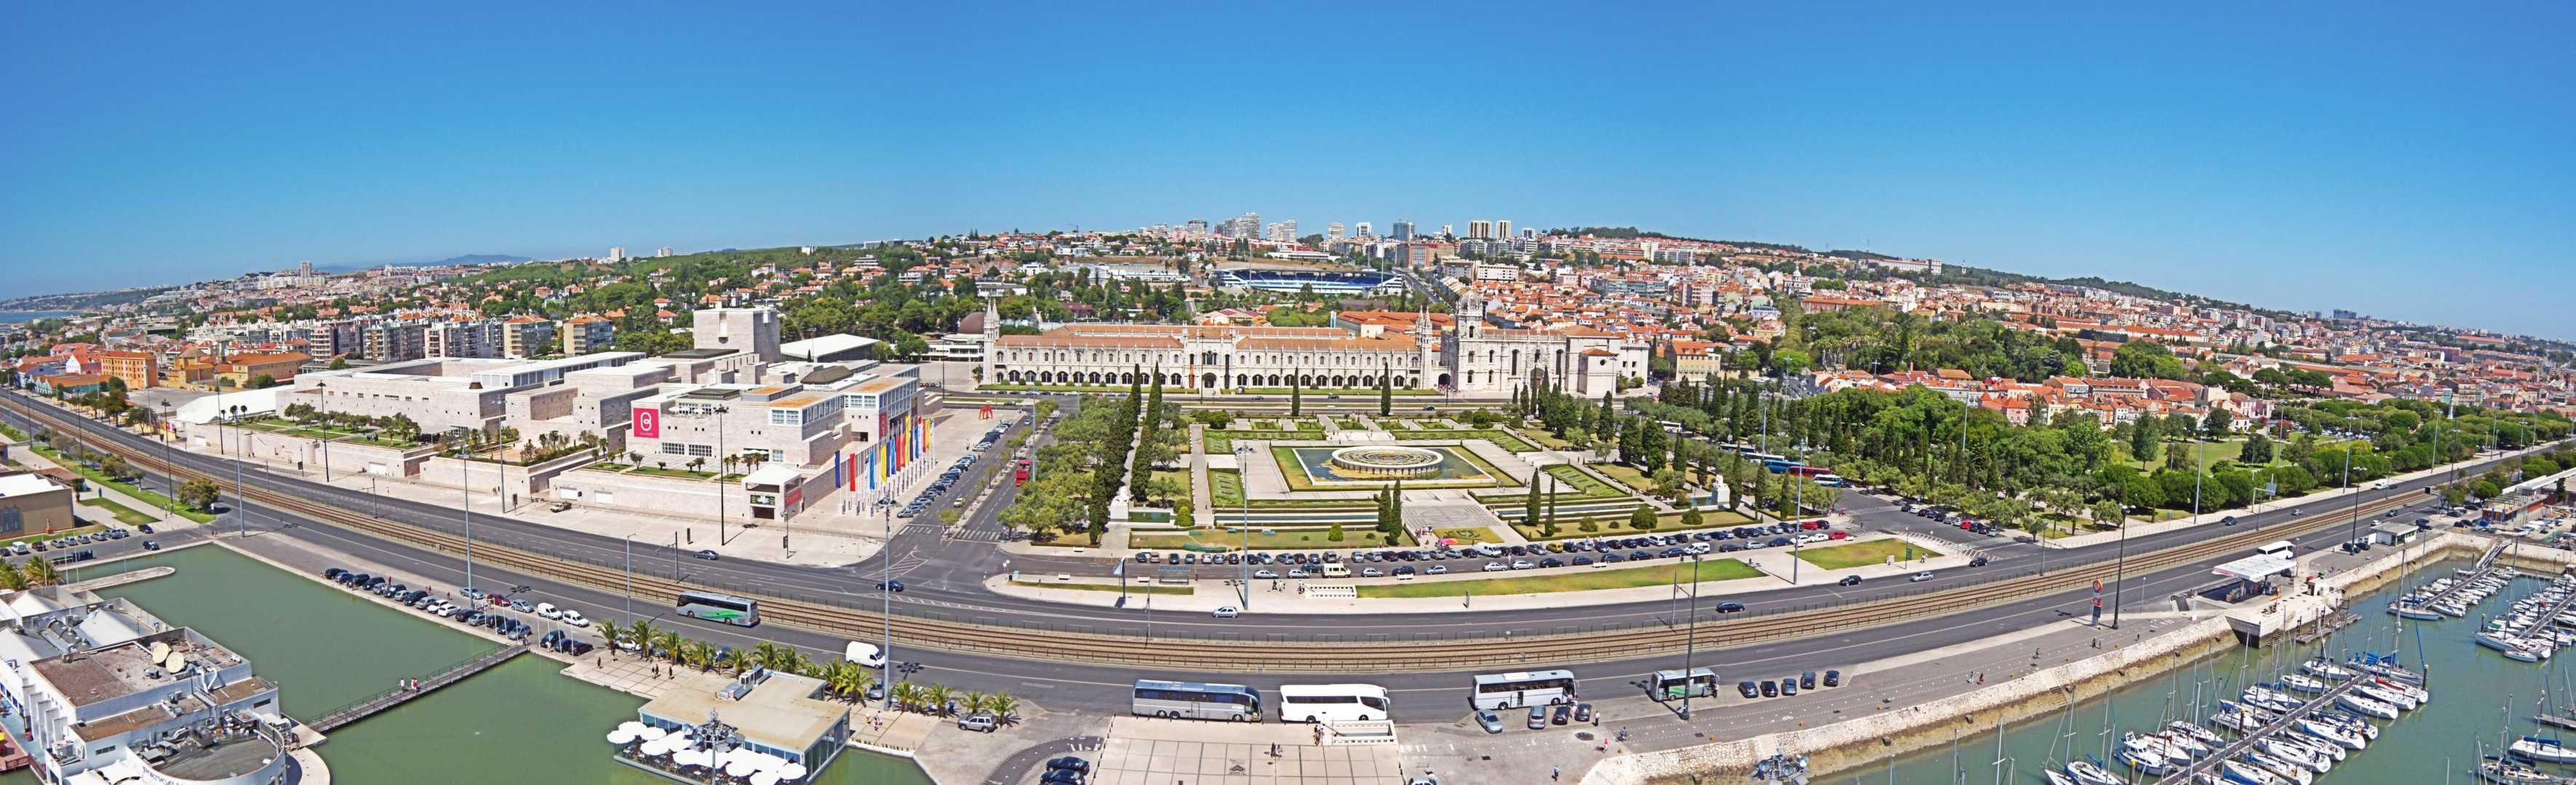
{"x":513,"y":619}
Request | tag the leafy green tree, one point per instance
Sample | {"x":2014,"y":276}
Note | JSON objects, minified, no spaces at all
{"x":199,"y":494}
{"x":1335,"y":534}
{"x":2217,"y":423}
{"x":2145,"y":360}
{"x":1296,"y":394}
{"x":2142,"y":440}
{"x":1690,"y":517}
{"x":1385,"y":392}
{"x":1643,"y":518}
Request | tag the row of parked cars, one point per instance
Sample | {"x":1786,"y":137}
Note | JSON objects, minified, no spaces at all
{"x":930,"y":494}
{"x":1787,"y":685}
{"x":427,"y":601}
{"x":24,"y":548}
{"x":1647,"y":546}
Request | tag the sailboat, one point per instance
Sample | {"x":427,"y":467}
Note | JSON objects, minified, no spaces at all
{"x":2540,"y":748}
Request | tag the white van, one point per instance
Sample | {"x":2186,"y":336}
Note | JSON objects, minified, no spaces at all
{"x":863,"y":654}
{"x":1336,"y":571}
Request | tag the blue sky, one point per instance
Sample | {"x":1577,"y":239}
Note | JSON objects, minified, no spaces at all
{"x":2397,"y":159}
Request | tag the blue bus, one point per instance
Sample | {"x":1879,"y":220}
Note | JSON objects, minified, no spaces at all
{"x":1190,"y":700}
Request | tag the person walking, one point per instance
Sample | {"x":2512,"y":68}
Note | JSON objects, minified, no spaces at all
{"x":1554,"y":771}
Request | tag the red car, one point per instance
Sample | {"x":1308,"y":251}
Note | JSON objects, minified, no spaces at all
{"x":497,"y":599}
{"x":1811,"y":525}
{"x":1837,"y":535}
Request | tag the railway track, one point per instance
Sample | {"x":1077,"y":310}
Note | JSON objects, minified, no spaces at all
{"x":1376,"y":652}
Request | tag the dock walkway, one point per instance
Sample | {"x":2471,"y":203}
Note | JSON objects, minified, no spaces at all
{"x":414,"y":688}
{"x":2246,"y":742}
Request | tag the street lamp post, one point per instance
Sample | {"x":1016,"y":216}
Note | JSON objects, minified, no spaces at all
{"x":1690,"y":640}
{"x":885,"y":589}
{"x":465,"y":483}
{"x":1243,"y":572}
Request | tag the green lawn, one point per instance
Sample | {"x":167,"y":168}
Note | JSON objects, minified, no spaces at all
{"x":1467,"y":534}
{"x":2210,"y":452}
{"x":1180,"y":502}
{"x":125,"y":515}
{"x":1626,"y":475}
{"x":656,"y":471}
{"x":1500,"y":438}
{"x":1545,"y":439}
{"x":1225,"y":487}
{"x":1130,"y":588}
{"x":1836,"y":557}
{"x":1577,"y":580}
{"x":1299,"y":480}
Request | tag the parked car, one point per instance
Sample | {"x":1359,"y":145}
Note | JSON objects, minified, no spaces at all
{"x":981,"y":723}
{"x":1788,"y":687}
{"x":1561,"y":715}
{"x":1807,"y":680}
{"x":1833,"y":678}
{"x":1492,"y":723}
{"x":1538,"y":718}
{"x":1748,"y":689}
{"x":1770,"y":689}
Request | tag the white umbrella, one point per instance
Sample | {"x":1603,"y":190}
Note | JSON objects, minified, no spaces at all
{"x":694,"y":757}
{"x":620,"y":737}
{"x":790,"y":772}
{"x":740,"y":767}
{"x":764,"y":778}
{"x":769,"y":762}
{"x":654,"y":747}
{"x":650,"y":733}
{"x":631,"y":726}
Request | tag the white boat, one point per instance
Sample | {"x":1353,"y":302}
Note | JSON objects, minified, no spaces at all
{"x":2321,"y":666}
{"x":2153,"y":747}
{"x":2197,"y":733}
{"x":2421,"y":695}
{"x":2056,"y":777}
{"x":2306,"y":684}
{"x":2545,"y":750}
{"x":2186,"y":744}
{"x":2327,"y":752}
{"x":2329,"y":732}
{"x":2366,"y":706}
{"x":2392,"y":698}
{"x":2295,"y":754}
{"x":2144,"y":762}
{"x":2091,"y":773}
{"x":2280,"y":768}
{"x":2235,"y":721}
{"x":2506,"y":772}
{"x":2350,"y":722}
{"x":2242,"y":774}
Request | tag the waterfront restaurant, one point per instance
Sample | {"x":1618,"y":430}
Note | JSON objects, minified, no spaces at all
{"x":778,"y":714}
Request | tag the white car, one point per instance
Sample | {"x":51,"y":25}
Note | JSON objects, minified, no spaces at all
{"x":548,"y":610}
{"x":1226,"y":612}
{"x":1920,"y":577}
{"x":1436,"y":569}
{"x":1495,"y":566}
{"x":1522,"y":564}
{"x":574,"y":618}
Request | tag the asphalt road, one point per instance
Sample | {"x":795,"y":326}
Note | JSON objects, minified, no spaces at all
{"x":944,"y":574}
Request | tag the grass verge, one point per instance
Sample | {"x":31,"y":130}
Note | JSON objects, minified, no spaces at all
{"x":1131,"y":588}
{"x":1858,"y":554}
{"x":125,"y":515}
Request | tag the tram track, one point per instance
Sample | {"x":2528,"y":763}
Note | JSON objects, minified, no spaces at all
{"x":1349,"y":653}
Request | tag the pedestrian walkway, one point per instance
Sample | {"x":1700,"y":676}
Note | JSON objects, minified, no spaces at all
{"x":1144,"y":751}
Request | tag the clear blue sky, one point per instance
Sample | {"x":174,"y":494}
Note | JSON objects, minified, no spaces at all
{"x":2403,"y":159}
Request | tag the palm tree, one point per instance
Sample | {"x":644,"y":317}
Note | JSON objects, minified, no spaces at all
{"x":640,"y":632}
{"x":727,"y":660}
{"x":40,"y":572}
{"x":11,"y":579}
{"x":905,"y":695}
{"x":938,"y":696}
{"x":848,"y":679}
{"x":697,"y":654}
{"x":1002,"y":705}
{"x":974,"y":702}
{"x":767,"y":655}
{"x":669,"y":644}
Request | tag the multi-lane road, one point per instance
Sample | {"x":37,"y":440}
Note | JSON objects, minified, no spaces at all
{"x":944,"y":575}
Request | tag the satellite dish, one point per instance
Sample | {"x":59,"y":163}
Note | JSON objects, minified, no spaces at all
{"x":178,"y":662}
{"x":160,"y":652}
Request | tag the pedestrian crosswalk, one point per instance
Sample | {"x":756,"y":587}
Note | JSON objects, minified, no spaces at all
{"x":976,"y":535}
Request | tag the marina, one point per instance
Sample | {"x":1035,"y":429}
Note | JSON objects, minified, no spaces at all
{"x":519,"y":720}
{"x":2339,"y":701}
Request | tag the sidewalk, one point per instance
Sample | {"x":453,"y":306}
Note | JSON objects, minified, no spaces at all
{"x":161,"y":518}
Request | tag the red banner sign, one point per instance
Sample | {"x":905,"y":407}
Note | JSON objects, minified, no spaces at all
{"x":648,"y":423}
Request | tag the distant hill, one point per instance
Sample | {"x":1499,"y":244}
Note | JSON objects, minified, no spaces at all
{"x":472,"y":258}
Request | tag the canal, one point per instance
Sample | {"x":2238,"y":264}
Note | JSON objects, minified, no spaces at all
{"x":2474,"y":690}
{"x":326,"y":647}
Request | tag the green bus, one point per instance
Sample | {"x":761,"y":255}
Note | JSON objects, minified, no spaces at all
{"x":720,"y":607}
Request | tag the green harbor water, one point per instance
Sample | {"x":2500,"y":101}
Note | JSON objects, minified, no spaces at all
{"x":2477,"y":693}
{"x":327,"y":647}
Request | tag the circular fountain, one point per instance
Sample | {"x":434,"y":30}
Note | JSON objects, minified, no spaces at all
{"x":1385,"y":462}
